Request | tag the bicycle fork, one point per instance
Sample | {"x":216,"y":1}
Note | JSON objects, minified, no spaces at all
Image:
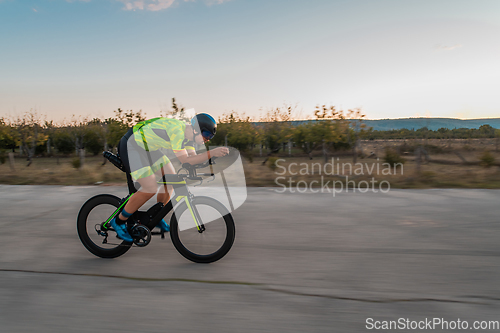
{"x":195,"y":215}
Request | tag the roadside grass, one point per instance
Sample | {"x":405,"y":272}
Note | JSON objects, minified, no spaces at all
{"x":450,"y":172}
{"x":60,"y":171}
{"x":431,"y":175}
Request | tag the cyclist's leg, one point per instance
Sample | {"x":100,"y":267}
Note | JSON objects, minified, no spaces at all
{"x":147,"y":191}
{"x":135,"y":202}
{"x":137,"y":163}
{"x":147,"y":178}
{"x":165,"y":191}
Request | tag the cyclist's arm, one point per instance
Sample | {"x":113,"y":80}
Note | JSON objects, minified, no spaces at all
{"x":194,"y":158}
{"x":183,"y":153}
{"x":191,"y":151}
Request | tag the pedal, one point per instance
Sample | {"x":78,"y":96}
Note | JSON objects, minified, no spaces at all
{"x":161,"y":233}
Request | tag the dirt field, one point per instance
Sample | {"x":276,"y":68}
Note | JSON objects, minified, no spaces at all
{"x":450,"y":164}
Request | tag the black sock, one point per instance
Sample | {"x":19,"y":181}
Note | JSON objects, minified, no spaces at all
{"x":120,"y":221}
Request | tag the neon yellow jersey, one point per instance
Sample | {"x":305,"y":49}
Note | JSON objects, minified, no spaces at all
{"x":157,"y":133}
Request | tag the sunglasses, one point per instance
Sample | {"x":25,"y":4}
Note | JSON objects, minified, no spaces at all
{"x":207,"y":135}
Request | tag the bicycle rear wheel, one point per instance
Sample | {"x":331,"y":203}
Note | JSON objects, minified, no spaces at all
{"x":214,"y":242}
{"x":94,"y":212}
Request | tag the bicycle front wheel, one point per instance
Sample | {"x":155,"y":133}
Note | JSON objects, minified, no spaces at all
{"x":214,"y":242}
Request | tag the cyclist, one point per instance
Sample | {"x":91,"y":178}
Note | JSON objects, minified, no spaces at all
{"x":140,"y":152}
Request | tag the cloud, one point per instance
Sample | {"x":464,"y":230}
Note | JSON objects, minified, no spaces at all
{"x":152,"y":5}
{"x":36,"y":11}
{"x":448,"y":48}
{"x":215,"y":2}
{"x":156,"y":5}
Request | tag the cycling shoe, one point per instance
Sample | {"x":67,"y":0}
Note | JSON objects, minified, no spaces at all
{"x":121,"y":230}
{"x":163,"y":226}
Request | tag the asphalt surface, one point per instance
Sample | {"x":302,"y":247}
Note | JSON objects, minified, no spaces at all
{"x":306,"y":262}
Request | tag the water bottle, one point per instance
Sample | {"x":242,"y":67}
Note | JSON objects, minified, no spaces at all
{"x":117,"y":162}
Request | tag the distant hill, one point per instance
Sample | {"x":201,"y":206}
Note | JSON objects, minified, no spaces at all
{"x":430,"y":123}
{"x":416,"y":123}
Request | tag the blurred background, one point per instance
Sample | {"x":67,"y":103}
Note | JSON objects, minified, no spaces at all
{"x":369,"y":132}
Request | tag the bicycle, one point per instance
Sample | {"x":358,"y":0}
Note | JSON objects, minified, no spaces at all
{"x":199,"y":240}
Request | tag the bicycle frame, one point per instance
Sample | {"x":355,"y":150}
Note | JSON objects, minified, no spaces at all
{"x":181,"y":193}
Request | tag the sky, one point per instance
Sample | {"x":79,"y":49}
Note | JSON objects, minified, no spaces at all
{"x":393,"y":59}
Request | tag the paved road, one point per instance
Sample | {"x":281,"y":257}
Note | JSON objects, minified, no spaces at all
{"x":301,"y":263}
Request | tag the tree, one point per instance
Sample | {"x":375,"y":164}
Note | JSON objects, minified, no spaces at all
{"x":497,"y":140}
{"x":62,"y":141}
{"x":28,"y":127}
{"x":77,"y":130}
{"x":178,"y":112}
{"x":239,"y":132}
{"x":357,"y":130}
{"x":49,"y":128}
{"x":486,"y":131}
{"x":93,"y":140}
{"x":97,"y":137}
{"x":7,"y":135}
{"x":330,"y":131}
{"x":303,"y":137}
{"x":117,"y":126}
{"x":277,"y":128}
